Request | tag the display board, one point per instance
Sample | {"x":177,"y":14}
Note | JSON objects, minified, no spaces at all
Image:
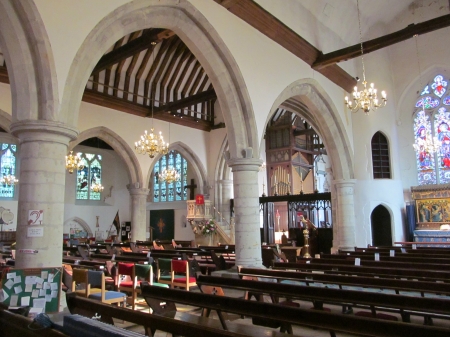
{"x":38,"y":288}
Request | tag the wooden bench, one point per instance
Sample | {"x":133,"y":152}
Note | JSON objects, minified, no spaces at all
{"x":396,"y":273}
{"x":186,"y":325}
{"x":360,"y":326}
{"x":17,"y":325}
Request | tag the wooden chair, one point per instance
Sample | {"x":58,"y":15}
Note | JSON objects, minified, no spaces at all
{"x":96,"y":280}
{"x":67,"y":277}
{"x":164,"y":270}
{"x":156,"y":247}
{"x":181,"y":267}
{"x":80,"y":279}
{"x":111,"y":278}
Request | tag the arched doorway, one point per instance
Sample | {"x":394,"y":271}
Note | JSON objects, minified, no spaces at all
{"x":381,"y":226}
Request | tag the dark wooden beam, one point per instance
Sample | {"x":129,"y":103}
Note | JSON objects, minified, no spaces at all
{"x":326,"y":60}
{"x":4,"y":78}
{"x":119,"y":104}
{"x":267,"y":24}
{"x":131,"y":48}
{"x":187,"y":102}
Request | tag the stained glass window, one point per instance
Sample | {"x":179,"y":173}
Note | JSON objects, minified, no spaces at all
{"x":432,"y":126}
{"x":89,"y":175}
{"x":176,"y":191}
{"x":7,"y":166}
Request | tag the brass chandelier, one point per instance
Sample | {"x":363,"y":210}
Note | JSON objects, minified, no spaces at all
{"x":150,"y":143}
{"x":73,"y":163}
{"x":97,"y":188}
{"x":367,"y":98}
{"x":169,"y":175}
{"x":9,"y":180}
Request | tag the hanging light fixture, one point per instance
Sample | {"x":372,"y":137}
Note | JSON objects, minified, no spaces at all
{"x":73,"y":163}
{"x":169,"y":175}
{"x":425,"y":143}
{"x":97,"y":188}
{"x":8,"y":180}
{"x":150,"y":143}
{"x":367,"y":98}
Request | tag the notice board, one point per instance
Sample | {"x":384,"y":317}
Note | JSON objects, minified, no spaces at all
{"x":38,"y":288}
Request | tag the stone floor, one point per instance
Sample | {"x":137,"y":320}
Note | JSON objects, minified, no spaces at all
{"x":298,"y":330}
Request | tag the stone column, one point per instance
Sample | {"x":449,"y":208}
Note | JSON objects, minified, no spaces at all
{"x":43,"y":147}
{"x":138,"y":212}
{"x":246,"y":210}
{"x":226,"y":185}
{"x":344,"y":234}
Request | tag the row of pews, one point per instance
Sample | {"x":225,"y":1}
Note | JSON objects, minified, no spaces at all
{"x":385,"y":291}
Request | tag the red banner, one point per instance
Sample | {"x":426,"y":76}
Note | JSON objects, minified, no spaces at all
{"x":199,"y":199}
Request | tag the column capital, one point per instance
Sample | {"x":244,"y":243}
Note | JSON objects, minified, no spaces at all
{"x":245,"y":164}
{"x":136,"y":190}
{"x":344,"y":182}
{"x":42,"y":130}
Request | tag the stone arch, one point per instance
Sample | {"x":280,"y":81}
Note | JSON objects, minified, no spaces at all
{"x":222,"y":173}
{"x":27,"y":51}
{"x":196,"y":165}
{"x":5,"y":121}
{"x":120,"y":147}
{"x":199,"y":36}
{"x":82,"y":223}
{"x":323,"y":116}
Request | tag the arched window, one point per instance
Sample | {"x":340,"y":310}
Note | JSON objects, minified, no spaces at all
{"x":380,"y":157}
{"x":176,"y":191}
{"x":89,"y":175}
{"x":431,"y":126}
{"x":7,"y":166}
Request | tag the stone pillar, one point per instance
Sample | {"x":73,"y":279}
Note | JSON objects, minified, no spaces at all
{"x":344,"y":234}
{"x":43,"y":147}
{"x":138,"y":212}
{"x":226,"y":185}
{"x":246,"y":210}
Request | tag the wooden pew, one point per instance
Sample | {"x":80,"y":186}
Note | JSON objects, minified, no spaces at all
{"x":396,"y":273}
{"x":360,"y":326}
{"x":17,"y":325}
{"x":187,"y":325}
{"x":388,"y":264}
{"x":385,"y":257}
{"x":351,"y":281}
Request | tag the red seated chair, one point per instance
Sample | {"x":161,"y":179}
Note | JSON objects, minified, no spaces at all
{"x":180,"y":275}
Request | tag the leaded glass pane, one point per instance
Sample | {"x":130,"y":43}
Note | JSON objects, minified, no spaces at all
{"x":8,"y":167}
{"x":90,"y":175}
{"x":425,"y":161}
{"x":83,"y":182}
{"x":442,"y":130}
{"x":175,"y":191}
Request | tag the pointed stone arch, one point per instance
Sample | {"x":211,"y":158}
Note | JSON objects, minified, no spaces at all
{"x":27,"y":51}
{"x":192,"y":158}
{"x":82,"y":223}
{"x":307,"y":98}
{"x":199,"y":36}
{"x":120,"y":147}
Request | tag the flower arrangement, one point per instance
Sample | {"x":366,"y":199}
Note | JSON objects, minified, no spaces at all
{"x":210,"y":227}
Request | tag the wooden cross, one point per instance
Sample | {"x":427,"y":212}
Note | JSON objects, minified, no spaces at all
{"x":191,"y":187}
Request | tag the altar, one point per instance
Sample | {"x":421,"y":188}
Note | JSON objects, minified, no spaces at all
{"x":432,"y":236}
{"x":432,"y":208}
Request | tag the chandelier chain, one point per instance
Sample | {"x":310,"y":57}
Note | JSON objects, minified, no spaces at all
{"x":360,"y":41}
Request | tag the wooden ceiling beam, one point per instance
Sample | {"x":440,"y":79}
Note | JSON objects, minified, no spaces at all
{"x":187,"y":102}
{"x":114,"y":103}
{"x":326,"y":60}
{"x":131,"y":48}
{"x":267,"y":24}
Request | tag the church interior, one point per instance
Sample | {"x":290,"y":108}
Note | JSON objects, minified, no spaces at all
{"x":251,"y":137}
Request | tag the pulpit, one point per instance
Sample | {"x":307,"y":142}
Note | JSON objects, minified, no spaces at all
{"x":197,"y":214}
